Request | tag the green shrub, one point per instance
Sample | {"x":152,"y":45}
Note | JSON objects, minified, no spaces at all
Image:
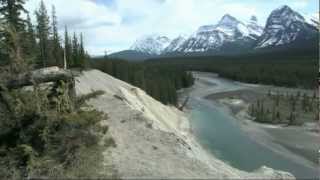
{"x":44,"y":133}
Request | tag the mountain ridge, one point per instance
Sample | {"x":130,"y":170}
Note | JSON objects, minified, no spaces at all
{"x":285,"y":28}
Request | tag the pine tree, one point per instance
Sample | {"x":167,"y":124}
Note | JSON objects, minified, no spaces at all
{"x":82,"y":53}
{"x":15,"y":54}
{"x":291,"y":118}
{"x":252,"y":111}
{"x":11,"y":23}
{"x":277,"y":99}
{"x":67,"y":48}
{"x":293,"y":103}
{"x":56,"y":46}
{"x":3,"y":58}
{"x":75,"y":50}
{"x":278,"y":116}
{"x":274,"y":114}
{"x":262,"y":112}
{"x":30,"y":39}
{"x":305,"y":103}
{"x":43,"y":32}
{"x":11,"y":11}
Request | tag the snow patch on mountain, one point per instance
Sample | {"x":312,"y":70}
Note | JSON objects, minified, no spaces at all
{"x":313,"y":19}
{"x":284,"y":26}
{"x":255,"y":30}
{"x":213,"y":37}
{"x":176,"y":44}
{"x":151,"y":44}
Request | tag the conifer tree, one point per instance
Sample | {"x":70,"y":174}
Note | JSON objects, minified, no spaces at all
{"x":82,"y":53}
{"x":305,"y":103}
{"x":56,"y":46}
{"x":278,"y":116}
{"x":11,"y":11}
{"x":274,"y":113}
{"x":30,"y":42}
{"x":15,"y":54}
{"x":43,"y":32}
{"x":2,"y":45}
{"x":75,"y":50}
{"x":67,"y":48}
{"x":11,"y":23}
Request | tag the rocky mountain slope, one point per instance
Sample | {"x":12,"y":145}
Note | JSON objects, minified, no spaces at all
{"x":214,"y":37}
{"x":313,"y":19}
{"x":151,"y":44}
{"x":284,"y":27}
{"x":154,"y":140}
{"x":175,"y":44}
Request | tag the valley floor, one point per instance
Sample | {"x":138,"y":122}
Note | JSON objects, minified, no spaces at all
{"x":300,"y":143}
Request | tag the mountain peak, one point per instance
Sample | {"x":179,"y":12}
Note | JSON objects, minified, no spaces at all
{"x":227,"y":19}
{"x":254,"y":19}
{"x":152,"y":44}
{"x":285,"y":26}
{"x":284,"y":15}
{"x":284,"y":8}
{"x":286,"y":12}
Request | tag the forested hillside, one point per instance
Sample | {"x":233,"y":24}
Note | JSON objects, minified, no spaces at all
{"x":159,"y":81}
{"x":291,"y":67}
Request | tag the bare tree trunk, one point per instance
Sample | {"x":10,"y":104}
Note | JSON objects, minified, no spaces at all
{"x":64,"y":59}
{"x":44,"y":75}
{"x":184,"y":103}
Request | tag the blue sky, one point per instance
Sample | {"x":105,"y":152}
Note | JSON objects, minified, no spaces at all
{"x":113,"y":25}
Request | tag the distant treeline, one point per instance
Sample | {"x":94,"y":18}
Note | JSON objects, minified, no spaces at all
{"x":285,"y":68}
{"x":159,"y":81}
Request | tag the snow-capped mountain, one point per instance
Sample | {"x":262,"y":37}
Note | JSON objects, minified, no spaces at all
{"x":255,"y":30}
{"x":285,"y":26}
{"x":214,"y":37}
{"x":175,"y":44}
{"x":151,"y":44}
{"x":313,"y":19}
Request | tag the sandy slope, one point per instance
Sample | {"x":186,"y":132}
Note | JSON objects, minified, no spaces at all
{"x":153,"y":140}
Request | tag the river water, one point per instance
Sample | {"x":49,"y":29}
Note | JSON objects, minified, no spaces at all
{"x":219,"y":132}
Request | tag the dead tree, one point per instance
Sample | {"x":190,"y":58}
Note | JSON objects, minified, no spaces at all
{"x":41,"y":76}
{"x":184,"y":103}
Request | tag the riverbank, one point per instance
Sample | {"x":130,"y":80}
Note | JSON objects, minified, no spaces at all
{"x":301,"y":140}
{"x":295,"y":143}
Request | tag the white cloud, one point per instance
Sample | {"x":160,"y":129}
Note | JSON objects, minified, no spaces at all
{"x":116,"y":27}
{"x":300,"y":4}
